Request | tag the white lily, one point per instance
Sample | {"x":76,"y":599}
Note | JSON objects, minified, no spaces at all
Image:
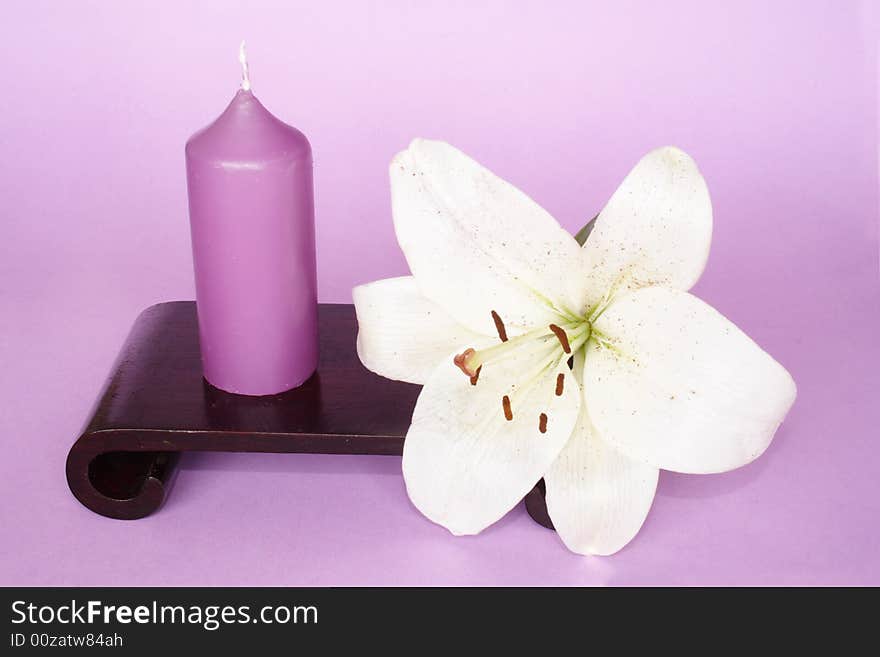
{"x":501,"y":298}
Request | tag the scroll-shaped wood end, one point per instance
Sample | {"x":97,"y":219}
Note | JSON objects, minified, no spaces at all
{"x":119,"y":484}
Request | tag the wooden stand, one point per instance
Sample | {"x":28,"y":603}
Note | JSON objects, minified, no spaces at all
{"x":156,"y":405}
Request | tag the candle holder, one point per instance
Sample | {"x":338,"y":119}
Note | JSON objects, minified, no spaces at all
{"x":156,"y":404}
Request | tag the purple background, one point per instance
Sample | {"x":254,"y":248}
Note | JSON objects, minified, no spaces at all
{"x":777,"y":101}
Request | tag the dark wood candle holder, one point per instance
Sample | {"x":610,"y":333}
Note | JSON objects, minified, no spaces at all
{"x":156,"y":405}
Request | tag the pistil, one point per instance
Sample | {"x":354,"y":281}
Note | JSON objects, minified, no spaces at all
{"x":570,"y":336}
{"x":470,"y":360}
{"x":463,"y":362}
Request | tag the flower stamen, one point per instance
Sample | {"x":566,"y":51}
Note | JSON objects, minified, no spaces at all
{"x":560,"y":384}
{"x":505,"y":404}
{"x":499,"y":326}
{"x":542,"y":423}
{"x":562,"y":336}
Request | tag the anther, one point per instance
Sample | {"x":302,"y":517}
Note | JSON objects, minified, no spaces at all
{"x":542,"y":423}
{"x":505,"y":404}
{"x":476,"y":376}
{"x":461,"y":361}
{"x":560,"y":384}
{"x":499,"y":326}
{"x":562,"y":337}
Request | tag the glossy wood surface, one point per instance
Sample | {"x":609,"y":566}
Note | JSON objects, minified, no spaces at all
{"x":156,"y":404}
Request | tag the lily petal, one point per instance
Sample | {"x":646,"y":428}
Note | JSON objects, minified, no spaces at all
{"x":656,"y":229}
{"x":402,"y":335}
{"x":476,"y":243}
{"x":597,"y":497}
{"x":676,"y":385}
{"x":464,"y":464}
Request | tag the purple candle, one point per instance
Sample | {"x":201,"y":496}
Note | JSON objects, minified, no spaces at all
{"x":251,"y":212}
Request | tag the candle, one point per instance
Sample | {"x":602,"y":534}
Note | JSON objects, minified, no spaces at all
{"x":251,"y":209}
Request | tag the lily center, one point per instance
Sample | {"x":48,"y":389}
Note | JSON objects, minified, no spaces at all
{"x":543,"y":348}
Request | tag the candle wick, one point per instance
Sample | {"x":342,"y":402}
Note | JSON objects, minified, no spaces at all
{"x":245,"y":77}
